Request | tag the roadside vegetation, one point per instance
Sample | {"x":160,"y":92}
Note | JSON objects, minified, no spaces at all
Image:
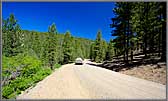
{"x":30,"y":56}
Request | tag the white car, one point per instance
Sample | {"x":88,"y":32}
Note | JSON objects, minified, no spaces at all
{"x":79,"y":61}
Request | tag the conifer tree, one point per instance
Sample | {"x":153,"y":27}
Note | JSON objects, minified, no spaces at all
{"x":67,"y":47}
{"x":51,"y":45}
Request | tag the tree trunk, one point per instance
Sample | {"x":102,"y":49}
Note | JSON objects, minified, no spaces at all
{"x":163,"y":57}
{"x":151,"y":43}
{"x":127,"y":41}
{"x":131,"y":49}
{"x":145,"y":45}
{"x":124,"y":41}
{"x":159,"y":41}
{"x":145,"y":36}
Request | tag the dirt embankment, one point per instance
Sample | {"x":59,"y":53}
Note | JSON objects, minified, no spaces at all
{"x":148,"y":72}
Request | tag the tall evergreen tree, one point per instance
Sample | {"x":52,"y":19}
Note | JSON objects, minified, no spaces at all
{"x":11,"y":36}
{"x":67,"y":47}
{"x":52,"y":45}
{"x":110,"y":50}
{"x":103,"y":49}
{"x":163,"y":9}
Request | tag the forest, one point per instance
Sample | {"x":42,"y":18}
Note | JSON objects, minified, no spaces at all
{"x":29,"y":56}
{"x":139,"y":28}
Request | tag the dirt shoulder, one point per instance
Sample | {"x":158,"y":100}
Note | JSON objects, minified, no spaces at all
{"x":148,"y":72}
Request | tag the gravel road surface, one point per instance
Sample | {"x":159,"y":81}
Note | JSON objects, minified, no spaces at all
{"x":91,"y":82}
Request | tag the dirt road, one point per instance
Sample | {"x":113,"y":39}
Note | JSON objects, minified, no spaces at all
{"x":91,"y":82}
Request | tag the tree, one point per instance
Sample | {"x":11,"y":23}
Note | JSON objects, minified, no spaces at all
{"x":163,"y":9}
{"x":103,"y":49}
{"x":52,"y":45}
{"x":92,"y":53}
{"x":67,"y":47}
{"x":110,"y":50}
{"x":97,"y":48}
{"x":122,"y":25}
{"x":11,"y":36}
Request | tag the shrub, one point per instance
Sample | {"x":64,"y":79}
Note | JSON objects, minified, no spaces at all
{"x":57,"y":66}
{"x":32,"y":73}
{"x":6,"y":91}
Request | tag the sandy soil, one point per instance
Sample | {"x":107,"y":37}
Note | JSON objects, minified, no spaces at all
{"x":148,"y":72}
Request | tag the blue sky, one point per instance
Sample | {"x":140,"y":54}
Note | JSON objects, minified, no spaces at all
{"x":82,"y":19}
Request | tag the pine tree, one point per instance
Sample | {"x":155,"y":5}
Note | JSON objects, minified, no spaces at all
{"x":110,"y":50}
{"x":97,"y":48}
{"x":52,"y":45}
{"x":122,"y":24}
{"x":92,"y":53}
{"x":163,"y":9}
{"x":67,"y":47}
{"x":12,"y":35}
{"x":103,"y":49}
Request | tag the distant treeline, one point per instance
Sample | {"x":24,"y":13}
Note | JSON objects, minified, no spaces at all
{"x":51,"y":47}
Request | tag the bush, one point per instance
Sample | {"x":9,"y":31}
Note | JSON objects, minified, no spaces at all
{"x":22,"y":83}
{"x":6,"y":91}
{"x":32,"y":73}
{"x":57,"y":66}
{"x":41,"y":74}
